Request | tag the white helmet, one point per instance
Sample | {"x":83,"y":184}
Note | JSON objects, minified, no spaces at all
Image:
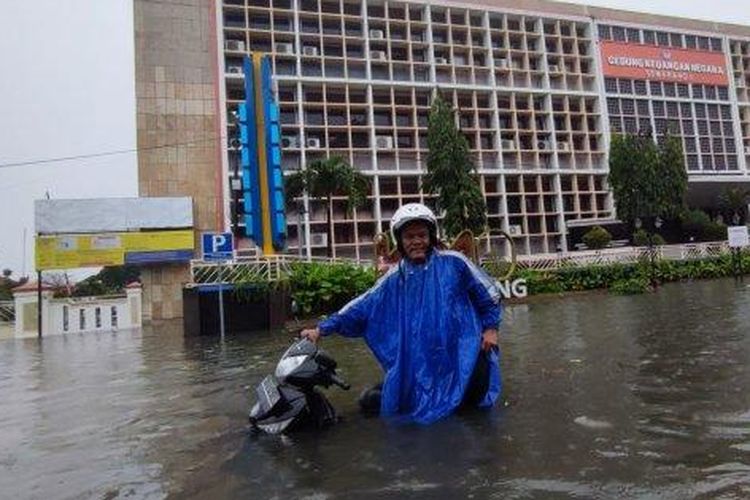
{"x":411,"y":212}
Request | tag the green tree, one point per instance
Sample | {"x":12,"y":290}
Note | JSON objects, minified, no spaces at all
{"x":451,"y":174}
{"x":648,"y":181}
{"x":325,"y":178}
{"x":110,"y":280}
{"x":733,"y":202}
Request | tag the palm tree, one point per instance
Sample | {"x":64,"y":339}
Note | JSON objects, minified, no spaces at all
{"x":733,"y":202}
{"x":325,"y":178}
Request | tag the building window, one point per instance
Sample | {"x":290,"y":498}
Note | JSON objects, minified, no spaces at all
{"x":604,"y":32}
{"x":81,"y":319}
{"x":618,"y":33}
{"x":98,"y":317}
{"x":66,"y":318}
{"x":113,"y":316}
{"x":610,"y":85}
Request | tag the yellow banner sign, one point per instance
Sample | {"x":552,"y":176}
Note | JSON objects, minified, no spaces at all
{"x":69,"y":251}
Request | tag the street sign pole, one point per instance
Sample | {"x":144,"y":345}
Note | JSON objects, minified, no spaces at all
{"x":221,"y":299}
{"x":39,"y":303}
{"x":738,"y":239}
{"x":218,"y":247}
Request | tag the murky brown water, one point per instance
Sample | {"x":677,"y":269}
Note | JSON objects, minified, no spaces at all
{"x":608,"y":397}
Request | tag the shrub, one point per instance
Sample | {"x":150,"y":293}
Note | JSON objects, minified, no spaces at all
{"x":699,"y":226}
{"x":597,"y":238}
{"x":693,"y":223}
{"x":628,"y":278}
{"x":323,"y":288}
{"x":641,"y":238}
{"x":715,"y":232}
{"x":630,"y":286}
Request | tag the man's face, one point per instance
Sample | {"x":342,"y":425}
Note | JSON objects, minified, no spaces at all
{"x":415,"y":238}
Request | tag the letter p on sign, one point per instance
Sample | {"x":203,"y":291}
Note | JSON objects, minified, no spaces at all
{"x":217,"y":246}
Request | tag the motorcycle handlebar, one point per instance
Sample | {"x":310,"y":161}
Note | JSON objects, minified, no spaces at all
{"x":340,"y":382}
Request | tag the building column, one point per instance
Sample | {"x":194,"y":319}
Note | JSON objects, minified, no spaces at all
{"x":180,"y":134}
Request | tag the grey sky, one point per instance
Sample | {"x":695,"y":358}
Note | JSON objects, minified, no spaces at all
{"x":67,"y":88}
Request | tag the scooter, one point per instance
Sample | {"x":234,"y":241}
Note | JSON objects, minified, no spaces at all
{"x":289,"y":399}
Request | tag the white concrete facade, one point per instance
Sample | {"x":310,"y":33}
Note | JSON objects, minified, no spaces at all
{"x":62,"y":316}
{"x":354,"y":79}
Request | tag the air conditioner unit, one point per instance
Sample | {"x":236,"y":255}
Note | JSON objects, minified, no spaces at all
{"x":284,"y":48}
{"x":238,"y":45}
{"x":508,"y":144}
{"x":563,"y":146}
{"x":554,"y":68}
{"x":236,"y":184}
{"x":383,"y":142}
{"x":747,"y":150}
{"x":502,"y":63}
{"x":377,"y":34}
{"x":318,"y":240}
{"x":289,"y":141}
{"x":543,"y":145}
{"x":441,"y":60}
{"x":378,"y":55}
{"x":235,"y":70}
{"x":312,"y":143}
{"x":310,"y":50}
{"x":515,"y":230}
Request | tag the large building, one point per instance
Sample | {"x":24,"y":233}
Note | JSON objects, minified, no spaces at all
{"x":540,"y":90}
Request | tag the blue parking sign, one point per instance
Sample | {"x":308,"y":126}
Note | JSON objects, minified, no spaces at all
{"x":217,"y":246}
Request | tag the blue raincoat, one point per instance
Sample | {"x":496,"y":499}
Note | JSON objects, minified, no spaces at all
{"x":424,"y":323}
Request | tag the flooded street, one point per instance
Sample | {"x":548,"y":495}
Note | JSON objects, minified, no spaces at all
{"x":606,"y":397}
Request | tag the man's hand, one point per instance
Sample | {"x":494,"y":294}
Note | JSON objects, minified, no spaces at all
{"x":311,"y":334}
{"x":489,"y":339}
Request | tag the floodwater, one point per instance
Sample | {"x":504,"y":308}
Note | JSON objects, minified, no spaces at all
{"x":606,"y":397}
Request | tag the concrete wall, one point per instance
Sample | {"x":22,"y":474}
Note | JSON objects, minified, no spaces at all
{"x":54,"y":311}
{"x":176,"y":101}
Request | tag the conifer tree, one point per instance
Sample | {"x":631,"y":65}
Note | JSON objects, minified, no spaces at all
{"x":451,"y":174}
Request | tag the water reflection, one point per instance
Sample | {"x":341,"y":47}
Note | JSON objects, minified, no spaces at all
{"x":627,"y":397}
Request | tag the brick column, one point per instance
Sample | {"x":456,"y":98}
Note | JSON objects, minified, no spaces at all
{"x":178,"y":121}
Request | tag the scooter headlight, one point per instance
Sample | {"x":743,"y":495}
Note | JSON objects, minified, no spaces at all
{"x":287,"y":366}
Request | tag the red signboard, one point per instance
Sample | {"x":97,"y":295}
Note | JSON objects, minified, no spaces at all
{"x":648,"y":62}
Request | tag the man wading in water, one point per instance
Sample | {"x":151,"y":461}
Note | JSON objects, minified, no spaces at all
{"x":431,"y":321}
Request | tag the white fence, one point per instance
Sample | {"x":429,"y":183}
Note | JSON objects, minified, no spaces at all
{"x":255,"y":269}
{"x":273,"y":268}
{"x":7,"y":312}
{"x":624,"y":255}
